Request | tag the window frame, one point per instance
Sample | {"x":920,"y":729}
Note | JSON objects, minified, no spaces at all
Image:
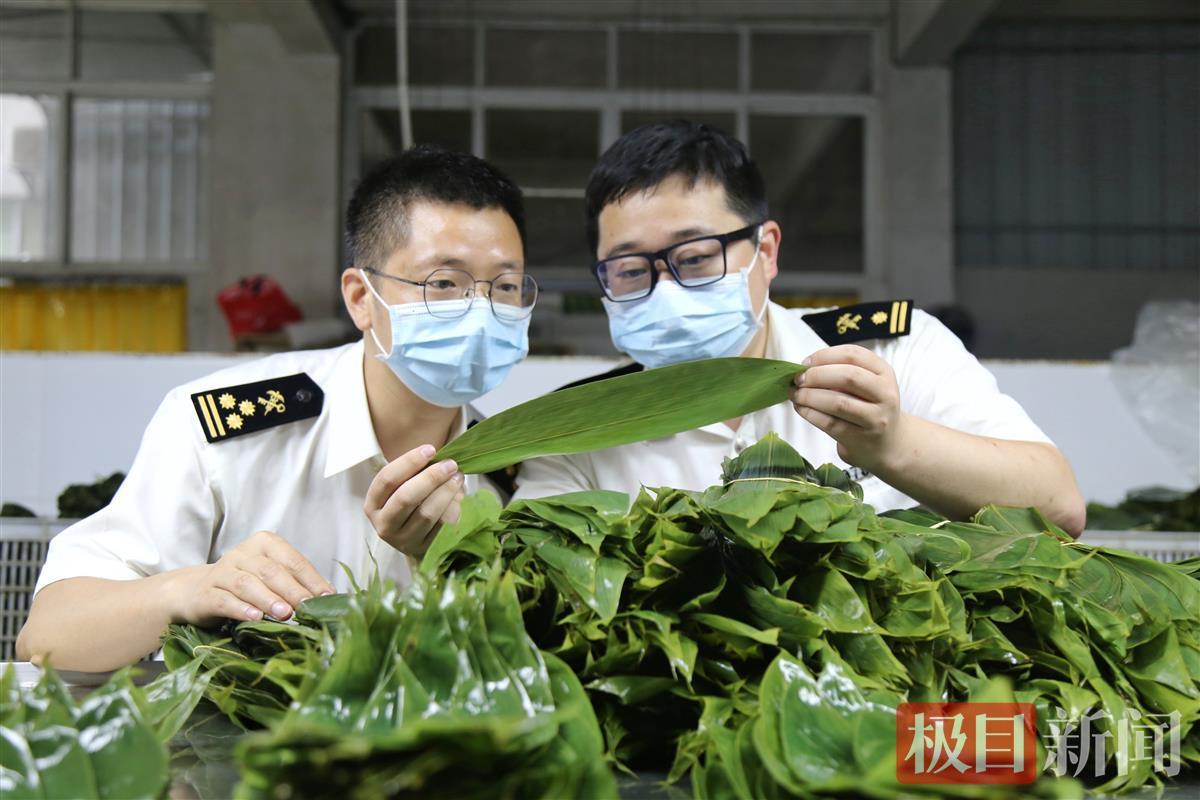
{"x":59,"y":261}
{"x":611,"y":101}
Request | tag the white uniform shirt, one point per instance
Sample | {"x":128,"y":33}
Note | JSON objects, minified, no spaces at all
{"x":938,"y":379}
{"x":187,"y":502}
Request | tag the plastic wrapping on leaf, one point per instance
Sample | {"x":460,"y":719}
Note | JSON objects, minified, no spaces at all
{"x":1159,"y":378}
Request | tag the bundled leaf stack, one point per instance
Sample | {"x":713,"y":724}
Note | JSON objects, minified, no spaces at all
{"x":1153,"y":509}
{"x":755,"y":638}
{"x":391,"y":694}
{"x":693,"y":618}
{"x":111,"y":744}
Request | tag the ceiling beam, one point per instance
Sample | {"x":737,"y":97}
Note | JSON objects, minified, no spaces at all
{"x":153,"y":6}
{"x":305,"y":27}
{"x":926,"y":33}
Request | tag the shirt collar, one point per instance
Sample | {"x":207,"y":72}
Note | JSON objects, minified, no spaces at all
{"x":351,"y":435}
{"x":790,"y":338}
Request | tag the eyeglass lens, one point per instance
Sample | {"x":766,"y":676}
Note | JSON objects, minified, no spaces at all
{"x":696,"y":263}
{"x":450,"y":292}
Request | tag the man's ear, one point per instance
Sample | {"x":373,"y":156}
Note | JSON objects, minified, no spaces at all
{"x":357,"y":298}
{"x":768,"y":245}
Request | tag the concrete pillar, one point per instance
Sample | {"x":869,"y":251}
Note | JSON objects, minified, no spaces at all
{"x":275,"y":190}
{"x":918,"y":248}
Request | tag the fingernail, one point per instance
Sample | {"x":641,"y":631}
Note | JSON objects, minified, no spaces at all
{"x":807,"y":362}
{"x":326,"y":593}
{"x":459,"y":478}
{"x":253,"y":613}
{"x":449,"y":467}
{"x":280,"y":610}
{"x":799,"y":381}
{"x":427,"y":450}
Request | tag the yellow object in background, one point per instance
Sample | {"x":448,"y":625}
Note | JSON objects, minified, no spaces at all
{"x":113,"y":317}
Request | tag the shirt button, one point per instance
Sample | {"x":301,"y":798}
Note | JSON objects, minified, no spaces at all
{"x":739,"y":444}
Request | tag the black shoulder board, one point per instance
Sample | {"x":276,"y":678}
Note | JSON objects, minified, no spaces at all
{"x":251,"y":407}
{"x":628,"y":369}
{"x":885,"y":320}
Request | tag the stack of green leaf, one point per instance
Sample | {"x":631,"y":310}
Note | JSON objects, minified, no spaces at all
{"x":388,"y":694}
{"x":111,"y":744}
{"x":1156,"y":508}
{"x":81,"y":500}
{"x":697,"y":622}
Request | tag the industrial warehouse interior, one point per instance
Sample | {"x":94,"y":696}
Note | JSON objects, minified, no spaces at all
{"x":599,"y":398}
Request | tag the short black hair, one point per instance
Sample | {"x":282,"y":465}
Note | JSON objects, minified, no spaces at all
{"x":648,"y":155}
{"x":377,"y":215}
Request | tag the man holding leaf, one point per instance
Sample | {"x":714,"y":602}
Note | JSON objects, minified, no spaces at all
{"x":686,"y":251}
{"x":253,"y":485}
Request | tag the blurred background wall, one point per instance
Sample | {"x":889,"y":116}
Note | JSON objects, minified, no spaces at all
{"x":1034,"y":162}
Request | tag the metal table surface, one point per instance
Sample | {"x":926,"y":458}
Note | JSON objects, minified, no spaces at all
{"x":203,"y":769}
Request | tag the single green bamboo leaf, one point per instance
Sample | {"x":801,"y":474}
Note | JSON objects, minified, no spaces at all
{"x":65,"y":769}
{"x":19,"y":776}
{"x":735,"y":627}
{"x":126,"y":756}
{"x":633,"y":689}
{"x":622,"y":410}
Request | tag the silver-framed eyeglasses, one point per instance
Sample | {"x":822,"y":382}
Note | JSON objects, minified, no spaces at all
{"x":449,"y":293}
{"x":696,"y":262}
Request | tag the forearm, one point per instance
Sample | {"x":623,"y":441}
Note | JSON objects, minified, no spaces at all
{"x":956,"y":473}
{"x":94,"y":624}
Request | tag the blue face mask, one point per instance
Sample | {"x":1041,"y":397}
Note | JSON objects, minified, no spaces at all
{"x":451,"y":361}
{"x":675,"y":324}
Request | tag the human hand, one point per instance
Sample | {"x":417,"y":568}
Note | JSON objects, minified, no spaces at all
{"x":262,"y":576}
{"x":851,"y":394}
{"x":409,"y":500}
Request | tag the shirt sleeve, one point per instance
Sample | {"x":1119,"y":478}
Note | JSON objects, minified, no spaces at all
{"x":162,"y":518}
{"x":548,"y":475}
{"x":942,"y":382}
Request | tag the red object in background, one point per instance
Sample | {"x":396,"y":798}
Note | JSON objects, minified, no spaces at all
{"x":256,"y":304}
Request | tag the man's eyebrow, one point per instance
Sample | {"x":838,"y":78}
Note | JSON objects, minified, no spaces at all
{"x":681,"y":235}
{"x":442,"y":260}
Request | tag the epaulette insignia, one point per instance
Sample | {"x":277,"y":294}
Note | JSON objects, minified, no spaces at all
{"x":252,"y":407}
{"x":885,"y":320}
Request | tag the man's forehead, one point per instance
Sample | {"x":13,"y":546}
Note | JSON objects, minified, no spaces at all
{"x":668,"y":212}
{"x":458,"y":236}
{"x":675,"y":188}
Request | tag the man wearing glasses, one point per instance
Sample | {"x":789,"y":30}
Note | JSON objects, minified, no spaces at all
{"x":678,"y":219}
{"x":252,"y":485}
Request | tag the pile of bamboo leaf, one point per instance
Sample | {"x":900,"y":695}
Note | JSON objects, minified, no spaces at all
{"x":755,"y":638}
{"x":1155,"y":508}
{"x":686,"y":617}
{"x":388,"y":694}
{"x":111,"y":744}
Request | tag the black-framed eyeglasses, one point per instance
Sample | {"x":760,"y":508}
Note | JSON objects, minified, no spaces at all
{"x":448,"y":293}
{"x":696,"y":262}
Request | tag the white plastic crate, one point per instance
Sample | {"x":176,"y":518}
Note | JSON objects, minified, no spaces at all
{"x":1162,"y":546}
{"x":23,"y":545}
